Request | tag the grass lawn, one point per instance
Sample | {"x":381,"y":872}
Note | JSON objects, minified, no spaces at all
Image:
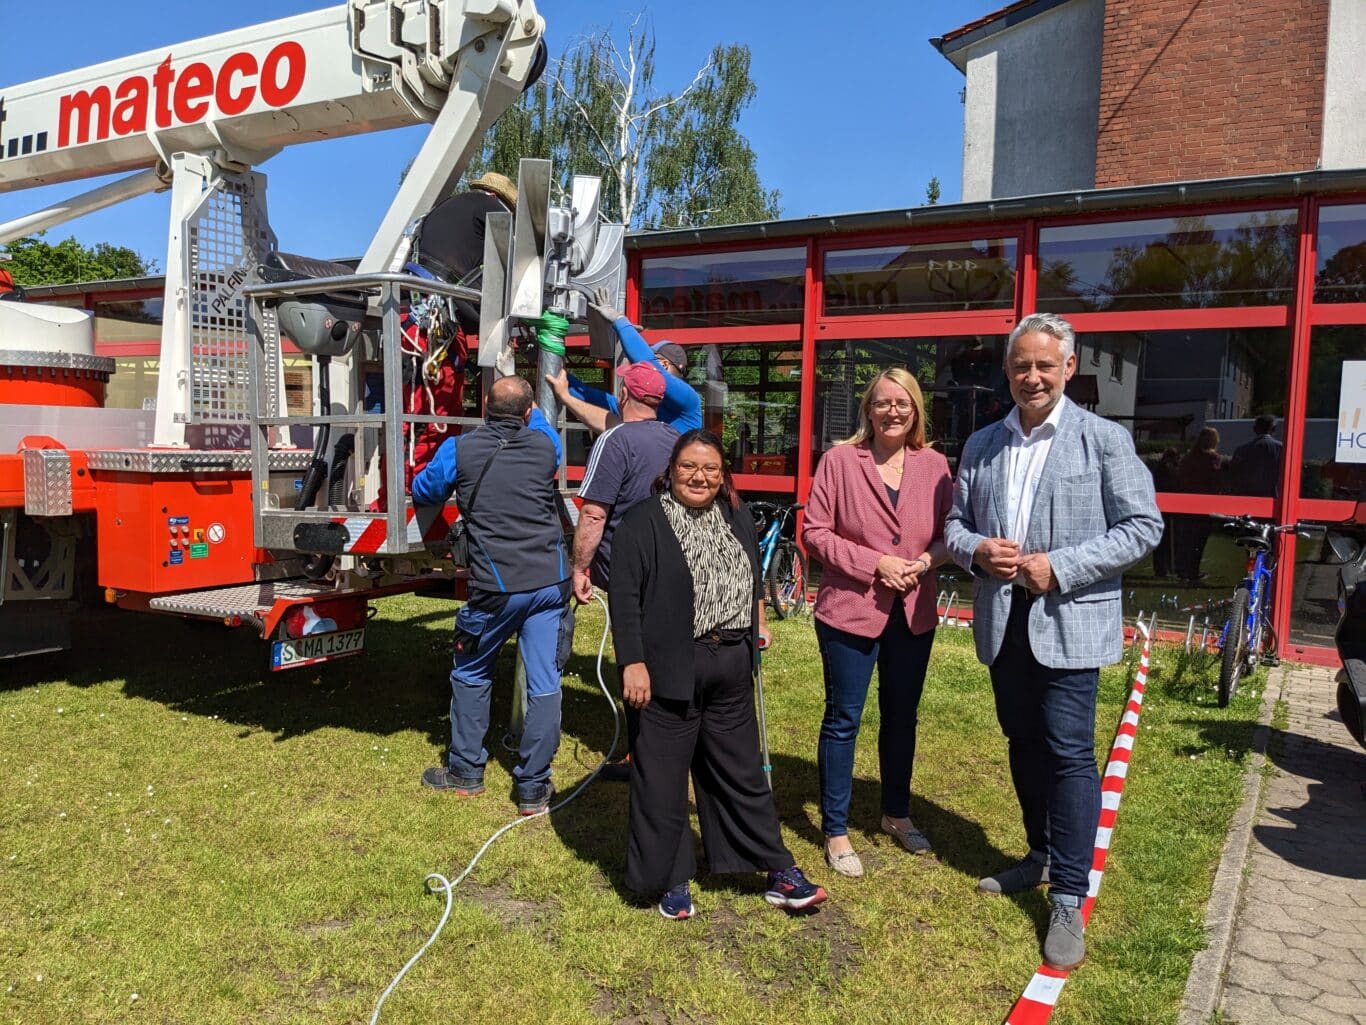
{"x":187,"y":838}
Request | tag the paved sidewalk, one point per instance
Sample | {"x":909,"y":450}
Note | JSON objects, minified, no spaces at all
{"x":1299,"y":943}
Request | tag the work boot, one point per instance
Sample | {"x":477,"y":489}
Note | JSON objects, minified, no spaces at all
{"x":534,"y":798}
{"x":1025,"y":875}
{"x":1063,"y":947}
{"x":438,"y":777}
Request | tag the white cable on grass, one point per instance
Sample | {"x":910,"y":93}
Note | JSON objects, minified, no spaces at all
{"x":446,"y":886}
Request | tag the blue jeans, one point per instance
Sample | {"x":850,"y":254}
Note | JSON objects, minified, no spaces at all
{"x":901,"y":658}
{"x":537,"y":618}
{"x":1049,"y":719}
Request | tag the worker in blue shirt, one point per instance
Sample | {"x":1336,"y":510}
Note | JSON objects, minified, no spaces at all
{"x":681,"y":408}
{"x":503,"y":478}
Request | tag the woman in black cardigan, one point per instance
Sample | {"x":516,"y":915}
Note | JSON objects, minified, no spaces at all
{"x":687,"y":611}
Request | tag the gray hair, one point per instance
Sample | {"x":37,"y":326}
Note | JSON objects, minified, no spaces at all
{"x":1049,"y":324}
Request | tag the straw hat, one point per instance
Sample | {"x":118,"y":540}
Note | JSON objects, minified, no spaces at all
{"x":499,"y":185}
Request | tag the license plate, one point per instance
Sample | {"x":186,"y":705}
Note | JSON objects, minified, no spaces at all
{"x":304,"y":651}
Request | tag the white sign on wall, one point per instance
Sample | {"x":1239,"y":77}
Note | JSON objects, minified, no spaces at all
{"x":1351,"y":445}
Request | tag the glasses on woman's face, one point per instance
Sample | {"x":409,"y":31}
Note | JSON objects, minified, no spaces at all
{"x":902,"y":406}
{"x":689,"y":470}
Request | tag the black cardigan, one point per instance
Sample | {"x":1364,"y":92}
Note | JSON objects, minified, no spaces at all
{"x":650,"y":589}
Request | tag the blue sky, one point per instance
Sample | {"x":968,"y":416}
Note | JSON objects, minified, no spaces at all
{"x":852,"y":113}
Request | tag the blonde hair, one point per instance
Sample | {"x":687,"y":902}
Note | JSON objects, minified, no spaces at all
{"x":904,"y":379}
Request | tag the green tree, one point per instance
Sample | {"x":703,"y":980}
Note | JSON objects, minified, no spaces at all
{"x":932,"y":191}
{"x":666,"y":159}
{"x":36,"y":262}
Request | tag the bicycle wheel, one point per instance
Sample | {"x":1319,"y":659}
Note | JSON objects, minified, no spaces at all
{"x":1235,"y":646}
{"x":786,"y":579}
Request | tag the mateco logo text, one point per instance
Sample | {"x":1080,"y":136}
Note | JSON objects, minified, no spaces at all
{"x":180,"y":96}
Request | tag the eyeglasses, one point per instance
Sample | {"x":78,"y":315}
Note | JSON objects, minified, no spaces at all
{"x":901,"y":406}
{"x":712,"y":471}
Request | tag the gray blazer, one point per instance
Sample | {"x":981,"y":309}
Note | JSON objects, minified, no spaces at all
{"x":1095,"y":514}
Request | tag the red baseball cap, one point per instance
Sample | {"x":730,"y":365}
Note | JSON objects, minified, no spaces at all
{"x":644,"y":383}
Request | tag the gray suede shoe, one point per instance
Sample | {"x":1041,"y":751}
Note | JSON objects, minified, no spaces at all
{"x":1063,"y":947}
{"x":1026,"y":875}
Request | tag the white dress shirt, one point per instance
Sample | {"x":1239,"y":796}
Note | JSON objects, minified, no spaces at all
{"x":1025,"y":458}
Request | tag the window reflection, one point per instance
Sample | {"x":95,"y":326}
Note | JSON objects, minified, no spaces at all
{"x":1205,"y":407}
{"x":927,"y":278}
{"x":137,"y":320}
{"x":1318,"y":564}
{"x":750,"y":396}
{"x":962,"y":378}
{"x":723,"y":289}
{"x":1324,"y":475}
{"x":1340,"y":273}
{"x":1238,"y":259}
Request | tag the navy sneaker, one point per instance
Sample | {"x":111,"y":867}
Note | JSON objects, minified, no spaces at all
{"x":791,"y":891}
{"x":677,"y":903}
{"x":441,"y":778}
{"x":534,"y":799}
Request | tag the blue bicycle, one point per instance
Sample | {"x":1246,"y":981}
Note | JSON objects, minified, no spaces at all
{"x":1247,"y":631}
{"x":781,"y":560}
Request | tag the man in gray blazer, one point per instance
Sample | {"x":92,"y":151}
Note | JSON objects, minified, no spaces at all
{"x":1051,"y":505}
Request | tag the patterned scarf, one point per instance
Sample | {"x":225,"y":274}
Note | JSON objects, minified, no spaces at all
{"x":722,"y":577}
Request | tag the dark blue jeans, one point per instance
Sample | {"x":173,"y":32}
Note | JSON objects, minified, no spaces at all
{"x":901,"y":658}
{"x":1049,"y":719}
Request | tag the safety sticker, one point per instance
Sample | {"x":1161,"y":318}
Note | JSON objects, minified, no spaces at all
{"x":199,"y":551}
{"x":177,"y":556}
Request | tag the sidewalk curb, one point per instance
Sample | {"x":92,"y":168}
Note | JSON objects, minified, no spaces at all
{"x":1205,"y":983}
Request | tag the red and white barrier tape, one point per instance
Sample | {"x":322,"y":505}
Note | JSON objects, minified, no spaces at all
{"x":1035,"y":1006}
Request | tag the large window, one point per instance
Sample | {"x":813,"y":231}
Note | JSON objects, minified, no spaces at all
{"x":136,"y":320}
{"x":723,"y":289}
{"x":1205,"y":407}
{"x":1322,"y":476}
{"x":1340,"y":273}
{"x":962,"y":379}
{"x":1318,"y":563}
{"x":928,"y":278}
{"x":750,"y":398}
{"x":1192,"y":262}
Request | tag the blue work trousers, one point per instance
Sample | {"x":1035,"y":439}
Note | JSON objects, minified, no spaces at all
{"x":1049,"y":719}
{"x":539,"y":619}
{"x":901,"y":659}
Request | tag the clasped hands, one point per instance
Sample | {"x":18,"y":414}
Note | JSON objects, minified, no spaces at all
{"x":900,"y":574}
{"x":1001,"y":557}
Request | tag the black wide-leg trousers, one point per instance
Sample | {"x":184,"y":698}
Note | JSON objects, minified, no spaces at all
{"x":715,"y":736}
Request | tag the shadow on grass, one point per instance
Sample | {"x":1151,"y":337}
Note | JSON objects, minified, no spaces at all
{"x":595,"y":827}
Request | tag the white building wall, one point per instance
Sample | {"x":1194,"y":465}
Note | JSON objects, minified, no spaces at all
{"x":1344,"y":87}
{"x":1032,"y":104}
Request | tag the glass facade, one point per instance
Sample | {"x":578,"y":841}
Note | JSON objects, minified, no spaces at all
{"x":929,"y":278}
{"x":723,"y":289}
{"x":1194,"y":262}
{"x":1340,"y":271}
{"x":1187,"y":326}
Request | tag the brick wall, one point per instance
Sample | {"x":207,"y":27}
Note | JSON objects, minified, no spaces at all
{"x":1210,"y":89}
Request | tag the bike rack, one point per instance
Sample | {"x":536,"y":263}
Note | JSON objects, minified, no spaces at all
{"x":941,"y":602}
{"x":952,"y":608}
{"x":1190,"y":633}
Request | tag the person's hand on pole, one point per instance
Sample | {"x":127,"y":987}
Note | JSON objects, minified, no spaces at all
{"x":635,"y":685}
{"x":559,"y":384}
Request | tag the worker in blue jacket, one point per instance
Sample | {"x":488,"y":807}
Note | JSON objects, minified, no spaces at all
{"x":503,"y":478}
{"x":681,"y":408}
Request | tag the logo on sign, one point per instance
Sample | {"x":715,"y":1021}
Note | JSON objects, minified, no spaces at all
{"x":180,"y":96}
{"x":1351,"y":439}
{"x":216,"y":533}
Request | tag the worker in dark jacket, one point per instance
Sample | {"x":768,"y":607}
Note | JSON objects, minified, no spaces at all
{"x":503,"y":479}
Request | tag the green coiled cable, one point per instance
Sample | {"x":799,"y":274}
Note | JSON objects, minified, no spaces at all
{"x":550,"y":331}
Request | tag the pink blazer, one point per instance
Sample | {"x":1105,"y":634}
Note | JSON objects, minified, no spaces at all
{"x":850,"y":524}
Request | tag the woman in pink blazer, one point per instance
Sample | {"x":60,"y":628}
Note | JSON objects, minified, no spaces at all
{"x":875,"y":520}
